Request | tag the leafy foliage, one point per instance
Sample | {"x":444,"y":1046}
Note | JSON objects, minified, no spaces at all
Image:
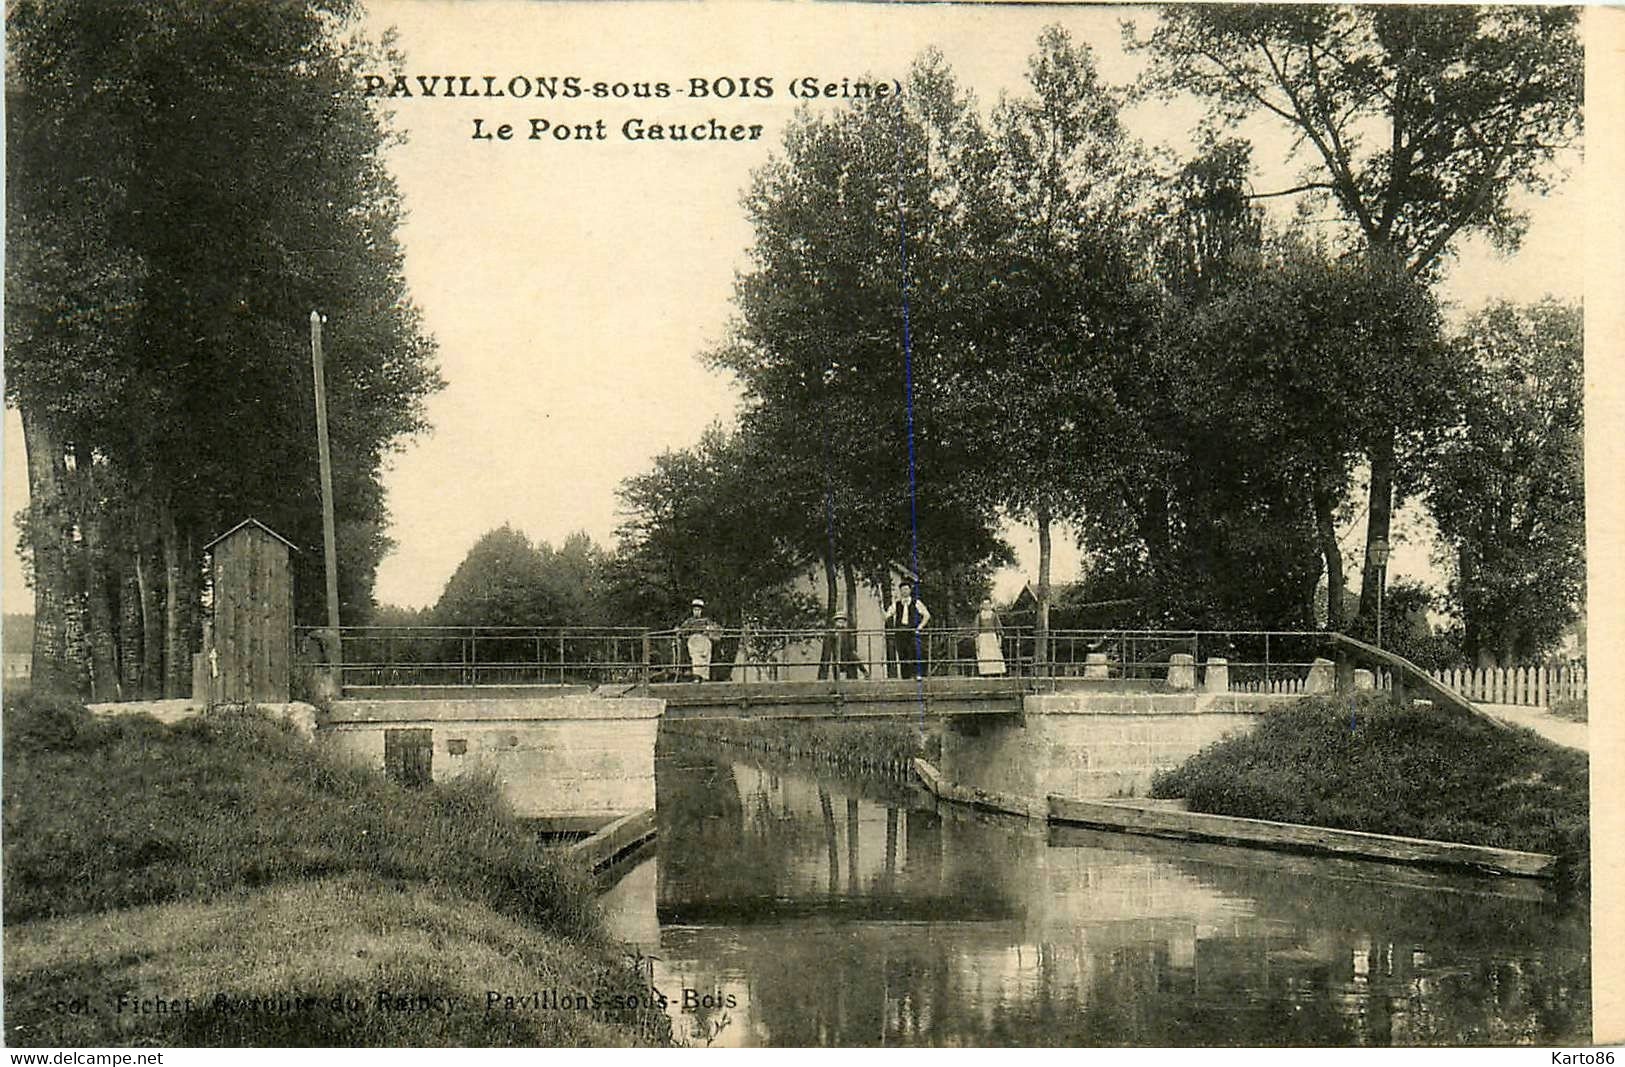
{"x":1507,"y":488}
{"x":1058,"y":309}
{"x":505,"y":580}
{"x":842,"y":366}
{"x":1420,"y":121}
{"x":185,"y":182}
{"x":704,"y":523}
{"x":1419,"y":124}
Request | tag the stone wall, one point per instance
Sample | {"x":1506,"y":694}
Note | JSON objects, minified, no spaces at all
{"x":571,"y":760}
{"x":1092,"y":744}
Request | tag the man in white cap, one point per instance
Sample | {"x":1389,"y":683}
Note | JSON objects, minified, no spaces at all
{"x":699,"y":633}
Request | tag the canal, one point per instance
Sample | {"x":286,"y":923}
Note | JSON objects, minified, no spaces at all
{"x":783,"y":905}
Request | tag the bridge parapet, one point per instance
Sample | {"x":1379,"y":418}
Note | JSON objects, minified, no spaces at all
{"x":1093,"y":743}
{"x":568,"y":761}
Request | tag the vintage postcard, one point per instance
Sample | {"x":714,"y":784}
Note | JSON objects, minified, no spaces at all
{"x":564,"y":524}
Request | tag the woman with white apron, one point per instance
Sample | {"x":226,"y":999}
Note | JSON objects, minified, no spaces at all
{"x":989,"y":640}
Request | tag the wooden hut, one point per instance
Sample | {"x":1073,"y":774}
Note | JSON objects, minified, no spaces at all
{"x":249,"y":647}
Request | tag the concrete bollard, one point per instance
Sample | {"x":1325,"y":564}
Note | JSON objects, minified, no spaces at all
{"x":1181,"y":671}
{"x":1364,"y":679}
{"x":1216,"y":678}
{"x":1322,"y":677}
{"x":1094,"y":666}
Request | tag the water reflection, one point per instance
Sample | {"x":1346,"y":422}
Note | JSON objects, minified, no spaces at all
{"x":786,"y":907}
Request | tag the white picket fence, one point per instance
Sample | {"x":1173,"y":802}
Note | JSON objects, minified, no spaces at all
{"x":1274,"y":685}
{"x":1529,"y":686}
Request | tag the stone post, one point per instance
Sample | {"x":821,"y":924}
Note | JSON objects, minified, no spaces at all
{"x":1216,"y":678}
{"x":1322,"y":676}
{"x":1181,"y":671}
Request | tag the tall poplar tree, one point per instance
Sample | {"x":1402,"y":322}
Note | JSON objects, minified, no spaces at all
{"x":186,"y":180}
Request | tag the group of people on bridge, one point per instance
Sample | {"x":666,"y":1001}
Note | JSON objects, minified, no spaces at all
{"x":906,"y":619}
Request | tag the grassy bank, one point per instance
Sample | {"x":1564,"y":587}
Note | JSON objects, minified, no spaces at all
{"x":865,"y":746}
{"x":1371,"y":765}
{"x":221,"y":859}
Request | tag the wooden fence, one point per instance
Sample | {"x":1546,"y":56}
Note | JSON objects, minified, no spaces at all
{"x":1530,"y":686}
{"x":1527,"y":686}
{"x":1274,"y":685}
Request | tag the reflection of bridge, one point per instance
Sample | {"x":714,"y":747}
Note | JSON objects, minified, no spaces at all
{"x":1081,"y":936}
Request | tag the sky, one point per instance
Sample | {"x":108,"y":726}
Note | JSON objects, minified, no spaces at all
{"x":572,"y":285}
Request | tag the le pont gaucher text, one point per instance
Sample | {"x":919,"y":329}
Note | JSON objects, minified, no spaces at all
{"x":633,"y":129}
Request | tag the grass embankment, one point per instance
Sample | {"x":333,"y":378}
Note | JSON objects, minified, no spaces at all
{"x":871,"y":746}
{"x":225,"y":861}
{"x":1371,"y":765}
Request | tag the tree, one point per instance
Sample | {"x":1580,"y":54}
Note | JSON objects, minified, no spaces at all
{"x":1507,"y":488}
{"x":576,"y":576}
{"x":499,"y":583}
{"x":1056,"y":304}
{"x":163,"y":258}
{"x":842,"y":361}
{"x":1143,"y":528}
{"x":1283,"y":377}
{"x":704,"y":523}
{"x":506,"y":580}
{"x":1420,"y":123}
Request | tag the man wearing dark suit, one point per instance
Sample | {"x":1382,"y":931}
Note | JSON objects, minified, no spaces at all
{"x":905,"y":623}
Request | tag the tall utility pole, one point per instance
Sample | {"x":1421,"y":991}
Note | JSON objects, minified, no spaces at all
{"x":329,"y":538}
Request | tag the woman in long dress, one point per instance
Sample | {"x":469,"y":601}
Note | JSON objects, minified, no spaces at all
{"x":989,"y":640}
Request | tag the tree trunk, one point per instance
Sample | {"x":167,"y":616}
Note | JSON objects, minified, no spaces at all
{"x":152,"y":619}
{"x":1326,"y":530}
{"x":131,"y":627}
{"x":52,"y":669}
{"x":851,"y":593}
{"x":1154,"y":526}
{"x":104,"y":680}
{"x":1378,"y":520}
{"x":177,"y":594}
{"x":1041,"y":626}
{"x":831,"y":592}
{"x":829,"y":840}
{"x":1471,"y":632}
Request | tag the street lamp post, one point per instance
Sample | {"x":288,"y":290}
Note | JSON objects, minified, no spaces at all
{"x":1377,"y":553}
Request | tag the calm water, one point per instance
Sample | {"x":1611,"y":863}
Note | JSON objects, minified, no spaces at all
{"x":803,"y":909}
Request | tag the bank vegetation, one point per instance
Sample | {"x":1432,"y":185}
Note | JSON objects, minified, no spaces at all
{"x":224,"y":862}
{"x":1371,"y":765}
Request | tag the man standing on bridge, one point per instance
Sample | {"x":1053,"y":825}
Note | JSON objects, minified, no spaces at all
{"x":905,"y":621}
{"x":840,"y":653}
{"x":699,"y":633}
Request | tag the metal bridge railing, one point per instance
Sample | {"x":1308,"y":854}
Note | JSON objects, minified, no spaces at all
{"x":417,"y":656}
{"x":758,"y":654}
{"x":484,"y":656}
{"x":1255,"y":660}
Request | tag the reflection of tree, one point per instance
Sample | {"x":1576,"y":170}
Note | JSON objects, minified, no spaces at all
{"x":889,"y":878}
{"x":852,"y":845}
{"x":829,"y":838}
{"x":1121,"y":940}
{"x":1493,"y":1001}
{"x":700,"y":824}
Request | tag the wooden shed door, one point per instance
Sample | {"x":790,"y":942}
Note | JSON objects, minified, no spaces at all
{"x":409,"y":757}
